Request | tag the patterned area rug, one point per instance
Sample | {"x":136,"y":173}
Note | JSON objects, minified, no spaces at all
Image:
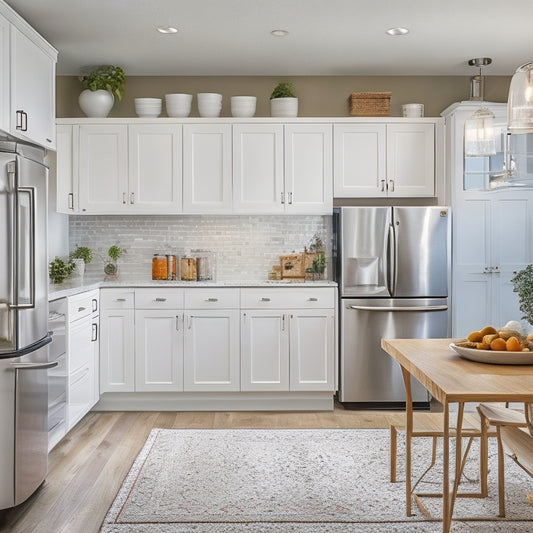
{"x":297,"y":481}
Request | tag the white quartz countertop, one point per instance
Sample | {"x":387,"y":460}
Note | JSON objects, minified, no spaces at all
{"x":71,"y":287}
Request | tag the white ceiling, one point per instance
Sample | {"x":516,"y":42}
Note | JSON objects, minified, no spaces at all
{"x":327,"y":37}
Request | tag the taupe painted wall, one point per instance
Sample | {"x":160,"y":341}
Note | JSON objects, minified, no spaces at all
{"x":319,"y":96}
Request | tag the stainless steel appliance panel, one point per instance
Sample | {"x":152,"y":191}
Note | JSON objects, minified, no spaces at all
{"x":364,"y":237}
{"x":368,"y":374}
{"x":420,"y":251}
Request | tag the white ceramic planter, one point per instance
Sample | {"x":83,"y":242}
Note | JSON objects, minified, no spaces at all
{"x":79,"y":269}
{"x":284,"y":107}
{"x":96,"y":103}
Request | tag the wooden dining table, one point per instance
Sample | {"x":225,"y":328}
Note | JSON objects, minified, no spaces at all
{"x":451,"y":379}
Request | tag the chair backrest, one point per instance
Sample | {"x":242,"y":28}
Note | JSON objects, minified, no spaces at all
{"x":528,"y":409}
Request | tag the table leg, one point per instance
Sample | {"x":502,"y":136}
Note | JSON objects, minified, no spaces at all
{"x":458,"y":455}
{"x":408,"y":435}
{"x":446,"y":518}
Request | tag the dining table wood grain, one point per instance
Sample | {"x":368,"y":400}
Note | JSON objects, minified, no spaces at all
{"x":451,"y":379}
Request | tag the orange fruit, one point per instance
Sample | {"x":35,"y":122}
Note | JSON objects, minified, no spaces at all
{"x":482,"y":346}
{"x":498,"y":345}
{"x":513,"y":345}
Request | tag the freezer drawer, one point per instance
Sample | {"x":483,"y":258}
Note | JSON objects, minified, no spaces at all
{"x":368,"y":374}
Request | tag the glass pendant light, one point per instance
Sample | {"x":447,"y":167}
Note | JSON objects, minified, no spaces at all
{"x":520,"y":102}
{"x":480,"y":139}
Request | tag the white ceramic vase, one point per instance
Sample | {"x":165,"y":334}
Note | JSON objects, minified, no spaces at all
{"x":96,"y":103}
{"x":79,"y":269}
{"x":284,"y":107}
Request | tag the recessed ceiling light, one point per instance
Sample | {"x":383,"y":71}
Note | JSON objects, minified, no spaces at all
{"x":167,"y":29}
{"x":279,"y":33}
{"x":397,"y":31}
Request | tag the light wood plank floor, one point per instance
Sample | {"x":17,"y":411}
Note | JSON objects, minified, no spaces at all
{"x":88,"y":466}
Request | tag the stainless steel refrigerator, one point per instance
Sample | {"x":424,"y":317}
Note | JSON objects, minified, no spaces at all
{"x":393,"y":267}
{"x":23,"y":322}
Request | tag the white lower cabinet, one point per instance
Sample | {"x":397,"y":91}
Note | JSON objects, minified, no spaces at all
{"x":211,"y":343}
{"x":288,"y":340}
{"x":158,"y":350}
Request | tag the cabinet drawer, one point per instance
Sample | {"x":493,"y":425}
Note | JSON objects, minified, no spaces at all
{"x":301,"y":298}
{"x":214,"y":298}
{"x":82,"y":305}
{"x":159,"y":298}
{"x":117,"y":298}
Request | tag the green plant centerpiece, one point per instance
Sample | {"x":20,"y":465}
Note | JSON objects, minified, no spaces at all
{"x":59,"y":269}
{"x":82,"y":252}
{"x":314,"y":253}
{"x":284,"y":89}
{"x":106,"y":77}
{"x":103,"y":86}
{"x":283,"y":100}
{"x":110,"y":262}
{"x":523,"y":285}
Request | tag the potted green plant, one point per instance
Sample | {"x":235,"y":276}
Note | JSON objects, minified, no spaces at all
{"x":81,"y":256}
{"x":59,"y":269}
{"x":523,"y":285}
{"x":102,"y":86}
{"x":110,"y":266}
{"x":283,"y":100}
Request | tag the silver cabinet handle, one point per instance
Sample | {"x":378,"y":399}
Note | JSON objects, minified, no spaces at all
{"x":382,"y":185}
{"x":120,"y":299}
{"x":95,"y":305}
{"x":283,"y":322}
{"x":71,"y":200}
{"x":290,"y":198}
{"x":94,"y":337}
{"x":211,"y":300}
{"x":123,"y":197}
{"x":132,"y":198}
{"x":391,"y":188}
{"x":177,"y":322}
{"x":265,"y":299}
{"x":80,"y":309}
{"x":312,"y":299}
{"x":34,"y":366}
{"x":189,"y":322}
{"x":282,"y":197}
{"x":160,"y":300}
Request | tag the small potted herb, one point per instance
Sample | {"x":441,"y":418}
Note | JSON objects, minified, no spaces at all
{"x":102,"y":86}
{"x":59,"y":270}
{"x":523,"y":285}
{"x":110,"y":266}
{"x":81,"y":256}
{"x":283,"y":101}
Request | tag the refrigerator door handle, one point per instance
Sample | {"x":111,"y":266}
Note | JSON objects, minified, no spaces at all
{"x":34,"y":366}
{"x":399,"y":308}
{"x":392,"y":257}
{"x":30,"y":265}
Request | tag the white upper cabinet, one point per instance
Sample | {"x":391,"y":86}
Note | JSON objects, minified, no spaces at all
{"x":308,"y":169}
{"x":66,"y":172}
{"x":282,"y":168}
{"x":155,"y":179}
{"x":258,"y":168}
{"x":385,"y":159}
{"x":207,"y":168}
{"x":27,"y":85}
{"x":103,"y":168}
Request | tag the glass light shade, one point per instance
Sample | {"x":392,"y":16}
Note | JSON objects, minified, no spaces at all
{"x":520,"y":101}
{"x":480,"y":137}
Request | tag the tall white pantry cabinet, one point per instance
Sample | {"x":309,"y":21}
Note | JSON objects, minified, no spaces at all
{"x":492,"y":229}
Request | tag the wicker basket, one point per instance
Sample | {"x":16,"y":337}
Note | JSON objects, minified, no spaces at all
{"x":370,"y":104}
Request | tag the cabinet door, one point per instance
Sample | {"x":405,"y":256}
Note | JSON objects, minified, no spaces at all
{"x":155,"y":178}
{"x":264,"y":350}
{"x":308,"y":169}
{"x":32,"y":91}
{"x":207,"y":184}
{"x":66,"y":169}
{"x":211,"y":347}
{"x":359,"y":160}
{"x":411,"y":159}
{"x":312,"y":349}
{"x":103,"y":169}
{"x":258,"y":168}
{"x":117,"y":368}
{"x":158,"y":350}
{"x":4,"y":79}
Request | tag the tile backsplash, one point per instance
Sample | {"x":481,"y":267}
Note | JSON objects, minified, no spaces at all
{"x":246,"y":247}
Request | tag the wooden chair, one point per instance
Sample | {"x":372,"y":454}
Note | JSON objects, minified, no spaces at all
{"x":512,"y":440}
{"x":430,"y":425}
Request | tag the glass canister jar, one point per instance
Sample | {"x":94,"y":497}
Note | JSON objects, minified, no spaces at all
{"x":171,"y":267}
{"x":188,"y":269}
{"x":159,"y":267}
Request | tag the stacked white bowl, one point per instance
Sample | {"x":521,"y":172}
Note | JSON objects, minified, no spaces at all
{"x":209,"y":104}
{"x":178,"y":104}
{"x":243,"y":106}
{"x":148,"y":107}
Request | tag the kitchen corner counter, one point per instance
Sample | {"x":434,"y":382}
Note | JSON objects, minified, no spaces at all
{"x":70,"y":288}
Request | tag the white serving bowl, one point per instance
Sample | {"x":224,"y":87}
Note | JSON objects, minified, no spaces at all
{"x":206,"y":98}
{"x":209,"y":110}
{"x":148,"y":107}
{"x":178,"y":104}
{"x":243,"y":106}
